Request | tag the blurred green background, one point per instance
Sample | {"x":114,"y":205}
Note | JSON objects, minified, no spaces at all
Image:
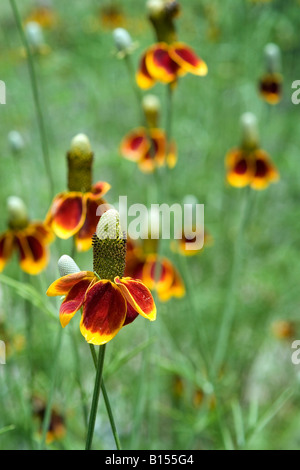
{"x":254,"y":402}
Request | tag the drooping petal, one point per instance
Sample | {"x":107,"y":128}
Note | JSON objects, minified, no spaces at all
{"x":240,"y":168}
{"x":187,"y":59}
{"x":131,"y":314}
{"x":134,"y":145}
{"x":104,"y":312}
{"x":138,"y":295}
{"x":62,"y":285}
{"x":265,"y":172}
{"x":177,"y":288}
{"x":143,"y":77}
{"x":33,"y":253}
{"x":67,"y":214}
{"x":94,"y":210}
{"x":158,"y":273}
{"x":156,"y":153}
{"x":43,"y":231}
{"x":270,"y":88}
{"x":99,"y":190}
{"x":160,"y":65}
{"x":6,"y":248}
{"x":73,"y":301}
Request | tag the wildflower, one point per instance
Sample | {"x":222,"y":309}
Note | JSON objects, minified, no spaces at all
{"x":57,"y":428}
{"x":270,"y":85}
{"x":283,"y":329}
{"x":28,"y":239}
{"x":148,"y":146}
{"x":35,"y":38}
{"x":168,"y":59}
{"x":123,"y":42}
{"x":76,"y":212}
{"x":109,"y":300}
{"x":43,"y":14}
{"x":156,"y":272}
{"x":249,"y":164}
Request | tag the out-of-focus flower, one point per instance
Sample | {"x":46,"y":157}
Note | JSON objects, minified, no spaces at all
{"x":249,"y":164}
{"x":283,"y":329}
{"x":109,"y":300}
{"x":112,"y":16}
{"x":76,"y":212}
{"x":148,"y":146}
{"x":57,"y":427}
{"x":28,"y":239}
{"x":123,"y":42}
{"x":43,"y":14}
{"x":270,"y":85}
{"x":156,"y":272}
{"x":168,"y":59}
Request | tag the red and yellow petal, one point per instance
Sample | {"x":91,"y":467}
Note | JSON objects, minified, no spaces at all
{"x":156,"y":153}
{"x":99,"y":190}
{"x":67,"y":214}
{"x":158,"y":273}
{"x":73,"y":301}
{"x":187,"y":59}
{"x":6,"y":248}
{"x":64,"y":284}
{"x":177,"y":288}
{"x":131,"y":315}
{"x":134,"y":145}
{"x":265,"y":172}
{"x":138,"y":295}
{"x":43,"y":231}
{"x":270,"y":88}
{"x":240,"y":168}
{"x":94,"y":210}
{"x":143,"y":77}
{"x":104,"y":312}
{"x":159,"y":63}
{"x":33,"y":253}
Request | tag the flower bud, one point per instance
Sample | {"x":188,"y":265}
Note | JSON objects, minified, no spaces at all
{"x":151,"y":107}
{"x":272,"y":58}
{"x":67,"y":265}
{"x":16,"y":141}
{"x":250,"y":137}
{"x":122,"y":39}
{"x":34,"y":34}
{"x":17,"y":213}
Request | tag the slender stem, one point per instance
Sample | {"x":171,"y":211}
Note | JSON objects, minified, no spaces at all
{"x":136,"y":90}
{"x":55,"y":363}
{"x":79,"y":381}
{"x":95,"y":401}
{"x":36,"y":97}
{"x":107,"y":403}
{"x":230,"y":302}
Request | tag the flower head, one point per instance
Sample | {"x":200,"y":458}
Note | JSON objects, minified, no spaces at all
{"x":109,"y":300}
{"x":270,"y":84}
{"x":28,"y":239}
{"x":248,"y":164}
{"x":76,"y":212}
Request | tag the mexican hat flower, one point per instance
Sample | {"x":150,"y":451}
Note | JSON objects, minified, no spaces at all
{"x":109,"y":301}
{"x":43,"y":14}
{"x":29,"y":239}
{"x":148,"y":146}
{"x":167,"y":59}
{"x":270,"y":84}
{"x":248,"y":164}
{"x":76,"y":212}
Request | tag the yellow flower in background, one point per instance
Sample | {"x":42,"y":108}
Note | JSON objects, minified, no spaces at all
{"x":249,"y":164}
{"x":28,"y":239}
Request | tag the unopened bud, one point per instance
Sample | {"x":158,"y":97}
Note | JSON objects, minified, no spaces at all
{"x":122,"y":39}
{"x":34,"y":34}
{"x":67,"y":265}
{"x":250,"y":137}
{"x":17,"y":213}
{"x":16,"y":141}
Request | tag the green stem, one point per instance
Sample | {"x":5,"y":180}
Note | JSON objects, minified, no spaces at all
{"x":55,"y":363}
{"x":135,"y":88}
{"x":36,"y":97}
{"x":107,"y":403}
{"x":230,"y":302}
{"x":79,"y":381}
{"x":95,"y":401}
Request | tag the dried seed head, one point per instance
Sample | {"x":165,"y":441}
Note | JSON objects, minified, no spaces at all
{"x":67,"y":265}
{"x":250,"y":137}
{"x":80,"y":159}
{"x":109,"y":246}
{"x":17,"y":213}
